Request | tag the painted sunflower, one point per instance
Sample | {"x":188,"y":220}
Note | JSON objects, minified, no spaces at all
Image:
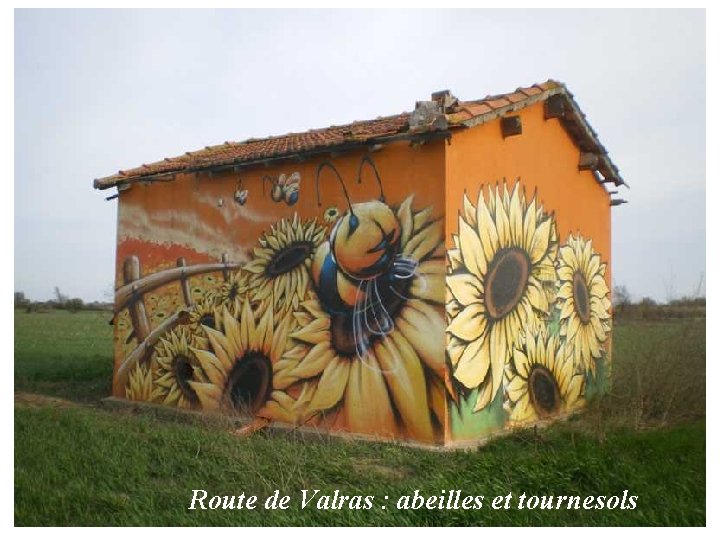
{"x":204,"y":313}
{"x":232,"y":292}
{"x":584,"y":300}
{"x":240,"y":363}
{"x":278,"y":274}
{"x":397,"y":385}
{"x":175,"y":369}
{"x":541,"y":380}
{"x":505,"y":253}
{"x":140,"y":384}
{"x":331,"y":214}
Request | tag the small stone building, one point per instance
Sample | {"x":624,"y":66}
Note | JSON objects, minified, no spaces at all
{"x":436,"y":276}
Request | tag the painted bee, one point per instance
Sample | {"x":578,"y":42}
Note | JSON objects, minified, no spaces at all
{"x":360,"y":277}
{"x":240,"y":195}
{"x":285,"y":188}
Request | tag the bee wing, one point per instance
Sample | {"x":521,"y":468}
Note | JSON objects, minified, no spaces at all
{"x":362,"y":344}
{"x":382,"y":323}
{"x":294,"y":179}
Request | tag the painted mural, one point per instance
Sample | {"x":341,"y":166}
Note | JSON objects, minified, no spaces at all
{"x":357,"y":314}
{"x":333,"y":319}
{"x":528,"y":318}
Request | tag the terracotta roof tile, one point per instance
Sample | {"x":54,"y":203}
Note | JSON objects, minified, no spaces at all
{"x":252,"y":149}
{"x":476,"y":109}
{"x":462,"y":114}
{"x":498,"y":103}
{"x":515,"y":97}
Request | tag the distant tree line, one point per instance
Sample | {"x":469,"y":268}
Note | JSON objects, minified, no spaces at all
{"x":649,"y":308}
{"x":61,"y":301}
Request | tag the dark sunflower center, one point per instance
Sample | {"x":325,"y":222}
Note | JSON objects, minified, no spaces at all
{"x":544,"y":391}
{"x":208,"y":320}
{"x":506,"y":280}
{"x":233,"y":291}
{"x":183,"y":371}
{"x":249,"y":383}
{"x":288,"y":258}
{"x":581,"y":297}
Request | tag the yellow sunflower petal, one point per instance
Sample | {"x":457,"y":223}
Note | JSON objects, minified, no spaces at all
{"x":471,"y":249}
{"x":212,"y":366}
{"x":502,"y":222}
{"x":208,"y":394}
{"x":367,"y":404}
{"x":425,"y":242}
{"x":466,"y":288}
{"x":541,"y":240}
{"x":516,"y":388}
{"x":314,"y":332}
{"x":470,"y":323}
{"x":485,"y":395}
{"x":522,"y":364}
{"x":529,"y":225}
{"x":421,"y":325}
{"x":473,"y":364}
{"x":421,"y":218}
{"x":455,"y":348}
{"x":430,"y":287}
{"x":272,"y":410}
{"x":573,"y":391}
{"x":316,"y":361}
{"x":406,"y":381}
{"x":488,"y":232}
{"x":523,"y":411}
{"x":515,"y":217}
{"x":404,"y":215}
{"x":331,"y":386}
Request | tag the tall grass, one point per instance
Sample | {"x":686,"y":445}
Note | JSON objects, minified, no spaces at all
{"x":658,"y":375}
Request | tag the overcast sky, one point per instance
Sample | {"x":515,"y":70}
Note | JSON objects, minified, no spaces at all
{"x":97,"y":91}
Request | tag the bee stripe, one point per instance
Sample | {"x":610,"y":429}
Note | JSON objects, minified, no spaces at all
{"x":330,"y":296}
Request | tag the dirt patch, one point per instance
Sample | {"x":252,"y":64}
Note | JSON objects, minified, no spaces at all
{"x":25,"y":399}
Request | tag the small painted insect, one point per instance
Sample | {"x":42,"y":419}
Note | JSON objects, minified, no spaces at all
{"x":241,"y":195}
{"x":361,"y":278}
{"x":285,"y":188}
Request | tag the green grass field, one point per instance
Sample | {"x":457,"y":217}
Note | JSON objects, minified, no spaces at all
{"x":77,"y":463}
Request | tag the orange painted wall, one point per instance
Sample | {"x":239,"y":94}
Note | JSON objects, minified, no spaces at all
{"x":162,"y":221}
{"x":545,"y":159}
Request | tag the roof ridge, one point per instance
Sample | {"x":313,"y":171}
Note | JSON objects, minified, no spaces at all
{"x":315,"y":130}
{"x":433,"y":117}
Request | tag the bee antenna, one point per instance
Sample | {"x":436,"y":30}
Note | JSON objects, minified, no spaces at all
{"x":353,"y":218}
{"x":269,"y":178}
{"x":367,"y":159}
